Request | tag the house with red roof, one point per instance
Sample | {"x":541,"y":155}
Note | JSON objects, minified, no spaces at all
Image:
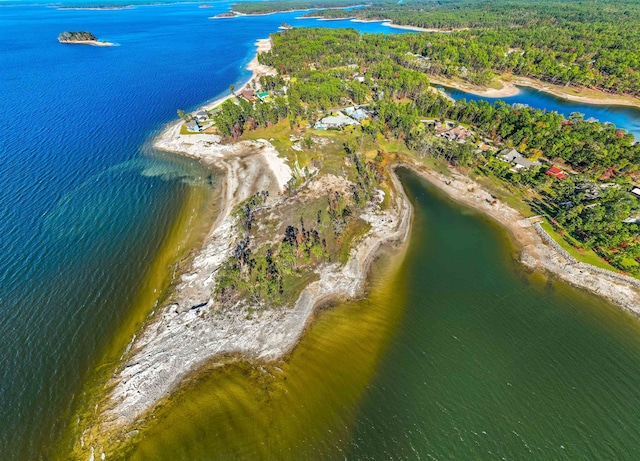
{"x":556,"y":173}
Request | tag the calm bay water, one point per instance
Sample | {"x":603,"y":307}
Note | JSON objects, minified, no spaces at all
{"x":457,"y":342}
{"x":492,"y":363}
{"x":621,"y":116}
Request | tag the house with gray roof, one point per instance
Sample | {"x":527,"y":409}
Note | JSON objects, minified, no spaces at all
{"x":516,"y":159}
{"x":194,"y":126}
{"x":336,"y":122}
{"x":202,"y":116}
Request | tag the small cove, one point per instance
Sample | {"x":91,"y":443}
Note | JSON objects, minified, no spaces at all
{"x":624,"y":117}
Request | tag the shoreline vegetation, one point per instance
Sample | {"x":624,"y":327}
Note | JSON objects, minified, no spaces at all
{"x":190,"y":329}
{"x":232,"y":13}
{"x":268,"y":8}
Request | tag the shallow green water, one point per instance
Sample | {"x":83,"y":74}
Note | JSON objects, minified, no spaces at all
{"x":459,"y":354}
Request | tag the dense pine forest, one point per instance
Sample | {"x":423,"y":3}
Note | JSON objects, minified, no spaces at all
{"x":331,"y":68}
{"x":585,"y":44}
{"x":272,"y":7}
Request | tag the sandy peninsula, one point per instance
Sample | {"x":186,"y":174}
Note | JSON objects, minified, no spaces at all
{"x":191,"y":329}
{"x":507,"y":89}
{"x":391,"y":24}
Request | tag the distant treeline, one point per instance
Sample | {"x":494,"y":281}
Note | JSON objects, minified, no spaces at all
{"x":457,"y":14}
{"x":272,"y":7}
{"x":589,"y":43}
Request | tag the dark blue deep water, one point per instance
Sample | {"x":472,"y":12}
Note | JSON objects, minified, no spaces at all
{"x":84,"y":201}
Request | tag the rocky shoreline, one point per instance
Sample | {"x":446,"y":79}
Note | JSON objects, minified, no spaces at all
{"x":536,"y":251}
{"x":190,"y":330}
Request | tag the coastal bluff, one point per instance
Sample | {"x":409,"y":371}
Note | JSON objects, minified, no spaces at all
{"x":82,"y":37}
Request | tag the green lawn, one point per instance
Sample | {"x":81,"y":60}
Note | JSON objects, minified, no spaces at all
{"x":585,"y":256}
{"x":183,"y":130}
{"x":505,"y":192}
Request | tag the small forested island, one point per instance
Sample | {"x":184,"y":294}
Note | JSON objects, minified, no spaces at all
{"x":226,"y":14}
{"x":83,"y":38}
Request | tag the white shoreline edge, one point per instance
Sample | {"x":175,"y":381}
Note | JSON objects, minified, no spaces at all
{"x":534,"y":253}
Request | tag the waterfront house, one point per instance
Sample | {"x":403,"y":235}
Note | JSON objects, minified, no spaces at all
{"x":194,"y":126}
{"x":336,"y":122}
{"x":202,"y":116}
{"x":248,"y":94}
{"x":556,"y":172}
{"x":515,"y":158}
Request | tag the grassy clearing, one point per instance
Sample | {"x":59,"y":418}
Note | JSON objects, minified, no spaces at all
{"x":295,"y":284}
{"x":516,"y":198}
{"x":183,"y":130}
{"x":356,"y":229}
{"x":585,"y":256}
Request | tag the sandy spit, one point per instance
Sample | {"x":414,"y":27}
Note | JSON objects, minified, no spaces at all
{"x":508,"y":88}
{"x":191,"y":329}
{"x":534,"y":252}
{"x":388,"y":23}
{"x":88,"y":42}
